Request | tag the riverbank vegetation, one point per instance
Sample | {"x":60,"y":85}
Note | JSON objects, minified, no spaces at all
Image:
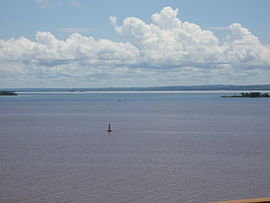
{"x":7,"y":93}
{"x":250,"y":95}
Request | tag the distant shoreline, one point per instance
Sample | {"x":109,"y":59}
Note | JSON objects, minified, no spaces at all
{"x":249,"y":95}
{"x":164,"y":88}
{"x":7,"y":93}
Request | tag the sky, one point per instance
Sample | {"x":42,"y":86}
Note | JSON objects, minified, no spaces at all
{"x":125,"y":43}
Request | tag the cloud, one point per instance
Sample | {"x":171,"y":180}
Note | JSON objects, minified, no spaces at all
{"x":166,"y":51}
{"x":77,"y":56}
{"x":56,"y":3}
{"x":46,"y":50}
{"x":168,"y":40}
{"x":74,"y":3}
{"x":242,"y":47}
{"x":47,"y":3}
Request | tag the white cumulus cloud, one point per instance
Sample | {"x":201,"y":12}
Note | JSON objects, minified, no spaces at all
{"x":166,"y":51}
{"x":168,"y":40}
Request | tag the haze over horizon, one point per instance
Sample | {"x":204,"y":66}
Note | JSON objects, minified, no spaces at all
{"x":76,"y":43}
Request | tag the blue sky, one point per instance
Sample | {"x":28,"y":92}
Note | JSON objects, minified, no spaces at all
{"x":229,"y":43}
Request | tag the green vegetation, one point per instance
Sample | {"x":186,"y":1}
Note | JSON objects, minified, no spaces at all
{"x":7,"y":93}
{"x":251,"y":95}
{"x":254,"y":94}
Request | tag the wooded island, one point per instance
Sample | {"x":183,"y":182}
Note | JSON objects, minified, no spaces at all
{"x":7,"y":93}
{"x":250,"y":95}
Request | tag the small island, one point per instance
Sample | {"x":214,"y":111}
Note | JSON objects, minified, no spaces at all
{"x":7,"y":93}
{"x":250,"y":95}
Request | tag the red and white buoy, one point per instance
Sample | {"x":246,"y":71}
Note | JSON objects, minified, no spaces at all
{"x":109,"y":129}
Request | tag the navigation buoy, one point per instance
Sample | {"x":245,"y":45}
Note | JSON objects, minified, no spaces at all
{"x":109,"y":129}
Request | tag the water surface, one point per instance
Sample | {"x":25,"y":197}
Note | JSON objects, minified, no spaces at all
{"x":165,"y":147}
